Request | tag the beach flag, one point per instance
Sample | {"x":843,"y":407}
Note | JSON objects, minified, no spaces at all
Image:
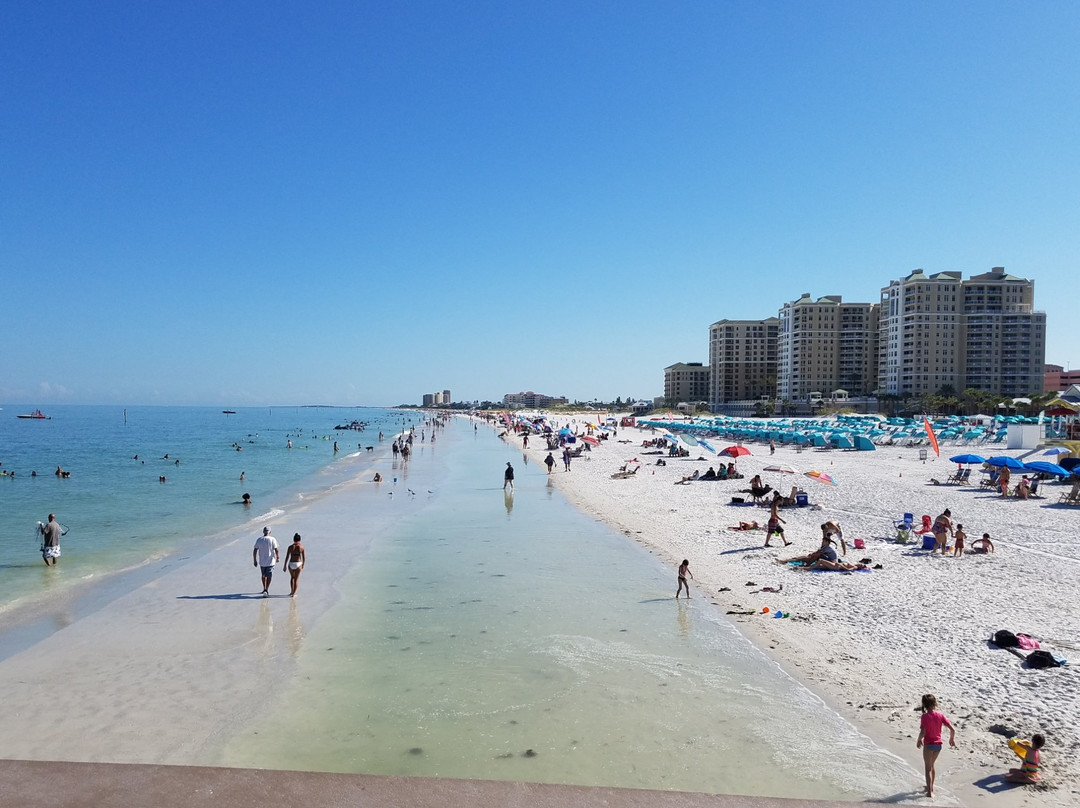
{"x":930,"y":434}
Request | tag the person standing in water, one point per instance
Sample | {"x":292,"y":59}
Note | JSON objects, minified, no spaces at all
{"x":50,"y":540}
{"x":295,"y":556}
{"x":684,"y":570}
{"x":508,"y":476}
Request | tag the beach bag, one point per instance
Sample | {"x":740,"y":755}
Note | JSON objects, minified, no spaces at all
{"x":1041,"y":659}
{"x":1005,"y":639}
{"x":860,"y":544}
{"x":737,"y":500}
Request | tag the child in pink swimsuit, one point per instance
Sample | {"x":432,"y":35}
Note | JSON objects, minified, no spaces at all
{"x":930,"y":738}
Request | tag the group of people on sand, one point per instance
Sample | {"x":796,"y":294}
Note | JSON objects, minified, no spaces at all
{"x":826,"y":557}
{"x":943,"y":528}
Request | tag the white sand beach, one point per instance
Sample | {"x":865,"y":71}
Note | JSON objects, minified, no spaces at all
{"x":871,"y":643}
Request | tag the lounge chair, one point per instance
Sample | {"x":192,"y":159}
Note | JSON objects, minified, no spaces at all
{"x":1071,"y":497}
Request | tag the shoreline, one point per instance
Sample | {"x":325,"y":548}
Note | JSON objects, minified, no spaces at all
{"x":869,"y":644}
{"x":126,"y":665}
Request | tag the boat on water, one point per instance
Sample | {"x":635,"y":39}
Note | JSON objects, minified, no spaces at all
{"x":36,"y":415}
{"x":229,"y":412}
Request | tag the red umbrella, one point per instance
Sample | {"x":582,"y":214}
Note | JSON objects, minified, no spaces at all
{"x":735,"y":451}
{"x":590,"y":439}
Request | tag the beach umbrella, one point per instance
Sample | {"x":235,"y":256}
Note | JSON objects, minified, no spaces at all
{"x":1003,"y":461}
{"x":590,"y":439}
{"x":780,"y":469}
{"x":1057,"y":450}
{"x":706,"y":445}
{"x":1042,"y":467}
{"x":689,"y":440}
{"x":735,"y":451}
{"x":821,"y":477}
{"x":967,"y":459}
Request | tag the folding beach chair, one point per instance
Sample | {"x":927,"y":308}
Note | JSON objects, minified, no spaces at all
{"x":906,"y":521}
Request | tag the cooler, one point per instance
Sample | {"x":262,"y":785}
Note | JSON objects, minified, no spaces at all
{"x":801,"y":499}
{"x":928,"y":541}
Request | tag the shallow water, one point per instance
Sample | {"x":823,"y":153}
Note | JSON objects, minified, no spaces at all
{"x":121,"y":517}
{"x":500,"y":636}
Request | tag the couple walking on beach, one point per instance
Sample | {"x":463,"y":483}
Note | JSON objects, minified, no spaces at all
{"x":265,"y":555}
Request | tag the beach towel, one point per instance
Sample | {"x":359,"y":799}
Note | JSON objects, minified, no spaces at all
{"x":1027,"y":642}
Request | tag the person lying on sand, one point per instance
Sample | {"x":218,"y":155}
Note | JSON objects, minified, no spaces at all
{"x":688,"y":479}
{"x":746,"y":526}
{"x":825,"y":558}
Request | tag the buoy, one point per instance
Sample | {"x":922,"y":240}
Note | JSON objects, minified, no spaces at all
{"x":764,"y":609}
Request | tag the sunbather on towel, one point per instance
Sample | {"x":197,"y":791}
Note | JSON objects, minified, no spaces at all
{"x":746,"y":526}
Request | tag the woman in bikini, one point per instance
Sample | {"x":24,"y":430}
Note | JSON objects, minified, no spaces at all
{"x":295,"y":556}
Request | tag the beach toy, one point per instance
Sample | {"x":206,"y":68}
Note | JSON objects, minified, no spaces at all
{"x":395,"y":479}
{"x":764,"y":609}
{"x":1020,"y":747}
{"x":778,"y":614}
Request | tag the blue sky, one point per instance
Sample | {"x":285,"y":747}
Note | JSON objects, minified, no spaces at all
{"x":360,"y":202}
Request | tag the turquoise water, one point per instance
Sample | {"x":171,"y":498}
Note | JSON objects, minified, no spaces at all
{"x":497,"y":636}
{"x":118,"y":513}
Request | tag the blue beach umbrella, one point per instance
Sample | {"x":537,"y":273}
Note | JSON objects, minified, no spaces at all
{"x":1057,"y":450}
{"x":1043,"y":467}
{"x":1006,"y":462}
{"x":707,"y":445}
{"x":967,"y":459}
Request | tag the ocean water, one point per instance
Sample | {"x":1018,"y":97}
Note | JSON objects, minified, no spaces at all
{"x":121,"y":517}
{"x":508,"y":636}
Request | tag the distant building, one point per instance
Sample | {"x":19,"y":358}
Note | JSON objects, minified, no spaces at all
{"x":531,"y":401}
{"x":1005,"y":340}
{"x":826,"y":345}
{"x":1056,"y":378}
{"x":939,"y":330}
{"x":437,"y":399}
{"x":742,"y":359}
{"x":686,"y":381}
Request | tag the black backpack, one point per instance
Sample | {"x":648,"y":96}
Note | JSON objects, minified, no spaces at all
{"x":1005,"y":639}
{"x":1041,"y":659}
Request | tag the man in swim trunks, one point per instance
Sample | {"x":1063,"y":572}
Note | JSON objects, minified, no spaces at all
{"x":265,"y":556}
{"x":508,"y":476}
{"x":50,"y":540}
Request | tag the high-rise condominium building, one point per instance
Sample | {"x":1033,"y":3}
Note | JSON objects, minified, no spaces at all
{"x":686,"y":381}
{"x":826,"y":345}
{"x":742,"y":359}
{"x":1005,"y":342}
{"x":941,"y":331}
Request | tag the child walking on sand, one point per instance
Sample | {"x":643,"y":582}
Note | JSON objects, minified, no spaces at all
{"x":684,"y":570}
{"x":930,"y":738}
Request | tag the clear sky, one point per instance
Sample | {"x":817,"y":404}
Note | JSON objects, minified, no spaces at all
{"x":359,"y":202}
